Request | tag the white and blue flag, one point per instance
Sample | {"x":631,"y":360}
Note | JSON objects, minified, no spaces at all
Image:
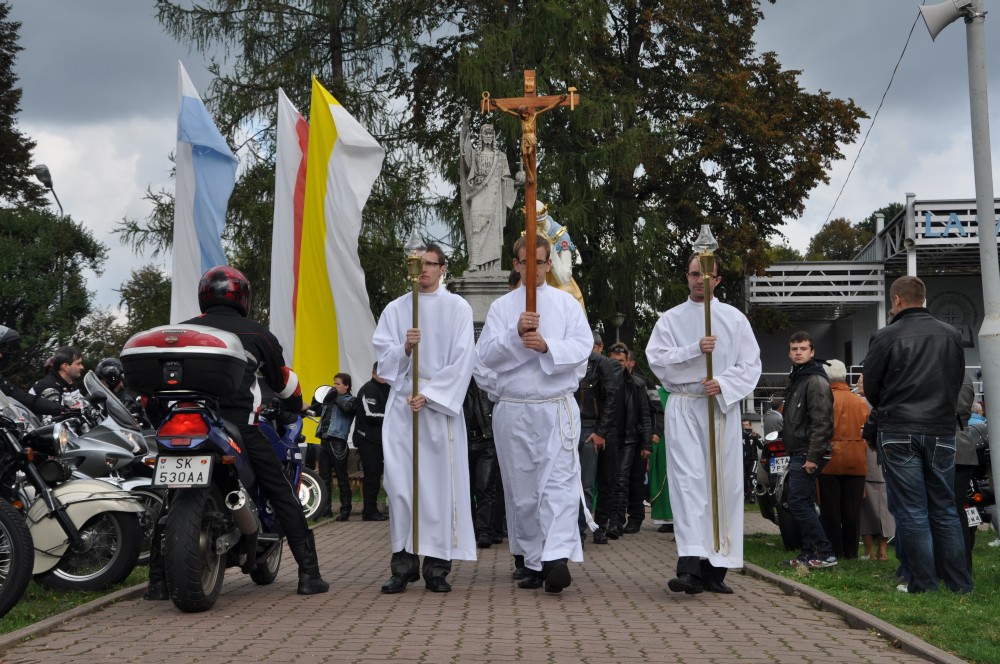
{"x":205,"y":177}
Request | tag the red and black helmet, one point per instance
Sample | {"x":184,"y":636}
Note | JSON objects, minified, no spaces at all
{"x":226,"y":286}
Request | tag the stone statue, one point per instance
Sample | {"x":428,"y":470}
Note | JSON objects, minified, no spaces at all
{"x":564,"y":253}
{"x":487,"y":192}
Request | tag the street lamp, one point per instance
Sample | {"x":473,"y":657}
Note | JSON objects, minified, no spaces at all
{"x":618,"y":319}
{"x":937,"y":17}
{"x":42,"y":173}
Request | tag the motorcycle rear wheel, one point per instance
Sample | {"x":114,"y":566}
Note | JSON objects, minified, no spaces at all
{"x":17,"y":556}
{"x":194,"y":572}
{"x":152,"y":500}
{"x":109,"y":552}
{"x":313,"y":494}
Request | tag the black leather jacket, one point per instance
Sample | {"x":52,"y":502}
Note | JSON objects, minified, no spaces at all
{"x":33,"y":402}
{"x":633,"y":416}
{"x":478,"y":410}
{"x":370,"y":412}
{"x":808,"y":412}
{"x":596,"y":394}
{"x":913,"y":372}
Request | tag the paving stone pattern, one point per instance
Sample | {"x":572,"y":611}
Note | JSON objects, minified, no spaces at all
{"x":617,"y":610}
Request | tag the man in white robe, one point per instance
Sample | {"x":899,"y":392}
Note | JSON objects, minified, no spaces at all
{"x":539,"y":359}
{"x":676,"y":354}
{"x":446,"y":355}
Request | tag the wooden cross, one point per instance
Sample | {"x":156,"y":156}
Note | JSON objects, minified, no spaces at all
{"x":527,"y":109}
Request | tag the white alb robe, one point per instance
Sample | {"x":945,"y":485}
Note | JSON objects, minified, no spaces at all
{"x":675,"y":357}
{"x":446,"y":355}
{"x":536,"y":421}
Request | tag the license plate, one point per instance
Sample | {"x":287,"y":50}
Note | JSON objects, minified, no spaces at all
{"x":779,"y":464}
{"x":175,"y":472}
{"x":972,"y":514}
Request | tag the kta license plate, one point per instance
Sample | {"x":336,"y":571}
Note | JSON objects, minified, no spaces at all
{"x":779,"y":464}
{"x":175,"y":472}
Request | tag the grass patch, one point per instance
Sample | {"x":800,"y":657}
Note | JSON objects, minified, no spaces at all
{"x":965,"y":625}
{"x":39,"y":602}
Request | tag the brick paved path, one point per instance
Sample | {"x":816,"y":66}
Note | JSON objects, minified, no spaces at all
{"x":617,"y":610}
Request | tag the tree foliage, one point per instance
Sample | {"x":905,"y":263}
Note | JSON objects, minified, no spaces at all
{"x":838,"y":240}
{"x":17,"y":186}
{"x":888,"y":211}
{"x":43,"y":293}
{"x":145,"y":297}
{"x":682,"y":123}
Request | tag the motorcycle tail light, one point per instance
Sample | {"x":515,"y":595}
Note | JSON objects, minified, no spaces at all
{"x":184,"y":425}
{"x":775,"y":447}
{"x":228,"y":460}
{"x":977,"y":497}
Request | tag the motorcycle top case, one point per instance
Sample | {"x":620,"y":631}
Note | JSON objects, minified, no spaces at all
{"x":184,"y":357}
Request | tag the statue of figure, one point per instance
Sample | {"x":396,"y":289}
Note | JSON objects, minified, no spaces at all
{"x":487,"y":191}
{"x":529,"y":135}
{"x":564,"y":253}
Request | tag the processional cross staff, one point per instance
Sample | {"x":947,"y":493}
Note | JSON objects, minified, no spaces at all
{"x":527,"y":109}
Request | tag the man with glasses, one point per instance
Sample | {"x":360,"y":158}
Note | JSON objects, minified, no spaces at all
{"x":677,"y":355}
{"x":539,"y":359}
{"x":446,"y":356}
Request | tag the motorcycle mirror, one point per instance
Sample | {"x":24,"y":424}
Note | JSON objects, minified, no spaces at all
{"x":97,"y":398}
{"x":771,"y":436}
{"x":319,"y":396}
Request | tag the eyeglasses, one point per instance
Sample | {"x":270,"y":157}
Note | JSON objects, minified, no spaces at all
{"x":698,"y":275}
{"x":433,"y":263}
{"x":540,"y":262}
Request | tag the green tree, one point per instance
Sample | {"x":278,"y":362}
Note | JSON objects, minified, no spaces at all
{"x":778,"y":253}
{"x":98,"y":336}
{"x":145,"y":297}
{"x":888,"y":211}
{"x":17,"y":186}
{"x":838,"y":240}
{"x":43,"y":292}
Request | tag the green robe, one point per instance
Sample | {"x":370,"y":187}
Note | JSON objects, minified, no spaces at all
{"x":658,"y":490}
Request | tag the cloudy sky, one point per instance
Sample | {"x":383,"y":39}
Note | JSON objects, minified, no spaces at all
{"x":100,"y":94}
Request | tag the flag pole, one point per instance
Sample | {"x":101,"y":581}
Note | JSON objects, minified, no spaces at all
{"x":706,"y":245}
{"x":414,"y":267}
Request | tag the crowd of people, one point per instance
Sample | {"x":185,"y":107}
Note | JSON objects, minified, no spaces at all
{"x":534,"y":434}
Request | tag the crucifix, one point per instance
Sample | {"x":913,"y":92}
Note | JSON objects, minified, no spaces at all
{"x":527,"y":109}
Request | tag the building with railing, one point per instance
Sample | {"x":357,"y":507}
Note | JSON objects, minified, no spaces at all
{"x":841,"y":303}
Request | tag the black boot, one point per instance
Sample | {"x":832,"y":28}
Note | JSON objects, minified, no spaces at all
{"x":157,"y":588}
{"x":304,"y":552}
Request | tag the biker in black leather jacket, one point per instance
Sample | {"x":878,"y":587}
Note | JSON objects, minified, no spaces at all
{"x":10,"y":345}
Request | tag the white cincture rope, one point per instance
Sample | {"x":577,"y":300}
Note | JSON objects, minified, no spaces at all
{"x":720,"y":420}
{"x":570,"y":442}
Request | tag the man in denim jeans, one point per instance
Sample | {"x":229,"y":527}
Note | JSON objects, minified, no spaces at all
{"x":912,"y":374}
{"x":808,"y":430}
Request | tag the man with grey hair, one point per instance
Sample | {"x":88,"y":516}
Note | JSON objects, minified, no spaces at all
{"x":913,"y":373}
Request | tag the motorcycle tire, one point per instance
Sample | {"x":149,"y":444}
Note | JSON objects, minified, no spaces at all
{"x":152,"y":500}
{"x":313,"y":494}
{"x":267,"y":567}
{"x":111,"y":542}
{"x":766,"y":504}
{"x":17,"y":556}
{"x":790,"y":536}
{"x":193,"y":570}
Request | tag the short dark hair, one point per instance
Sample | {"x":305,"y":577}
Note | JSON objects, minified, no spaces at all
{"x":620,"y":348}
{"x":435,"y":249}
{"x":695,"y":254}
{"x":910,"y":290}
{"x":799,"y":337}
{"x":344,"y":378}
{"x":65,"y":355}
{"x":514,"y":278}
{"x":522,"y":243}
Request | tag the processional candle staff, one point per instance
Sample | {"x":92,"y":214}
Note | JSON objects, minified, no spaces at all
{"x":706,"y":245}
{"x":414,"y":251}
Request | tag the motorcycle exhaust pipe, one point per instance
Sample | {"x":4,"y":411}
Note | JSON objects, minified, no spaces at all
{"x":240,"y":505}
{"x":760,"y":489}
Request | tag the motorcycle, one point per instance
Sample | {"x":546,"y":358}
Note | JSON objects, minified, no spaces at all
{"x":284,"y":431}
{"x":85,"y":533}
{"x":980,"y":504}
{"x":16,"y":554}
{"x":771,"y":489}
{"x":216,"y":516}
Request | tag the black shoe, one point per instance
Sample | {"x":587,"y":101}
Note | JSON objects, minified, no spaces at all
{"x":531,"y":579}
{"x":718,"y":587}
{"x":343,"y":516}
{"x":686,"y":583}
{"x":519,"y":568}
{"x":632,"y":527}
{"x":614,"y":532}
{"x":437,"y":584}
{"x":483,"y":541}
{"x":324,"y":515}
{"x":397,"y":584}
{"x":600,"y":537}
{"x":665,"y":528}
{"x":311,"y":584}
{"x":557,"y":577}
{"x":378,"y":516}
{"x":156,"y":591}
{"x":496,"y":538}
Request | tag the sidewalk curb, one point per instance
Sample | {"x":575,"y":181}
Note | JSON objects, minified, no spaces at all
{"x":43,"y":627}
{"x":855,"y":617}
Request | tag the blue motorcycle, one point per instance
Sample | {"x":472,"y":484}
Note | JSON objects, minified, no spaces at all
{"x":284,"y":431}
